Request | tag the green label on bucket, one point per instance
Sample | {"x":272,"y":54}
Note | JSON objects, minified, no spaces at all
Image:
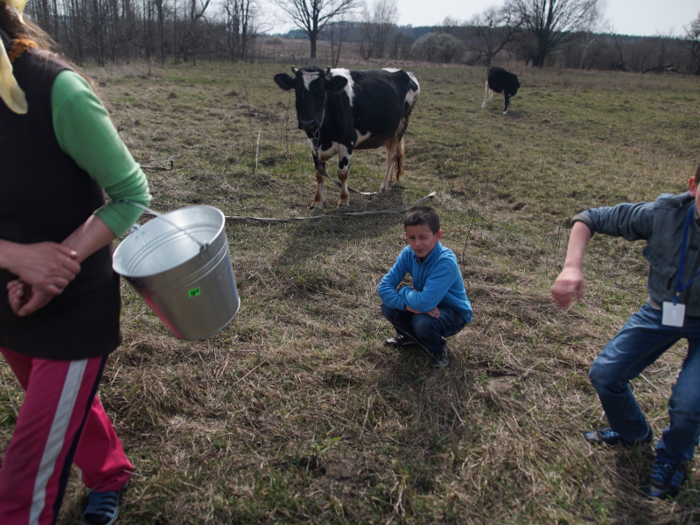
{"x":194,"y":292}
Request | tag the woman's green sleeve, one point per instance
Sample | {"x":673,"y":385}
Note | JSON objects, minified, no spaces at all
{"x":85,"y":133}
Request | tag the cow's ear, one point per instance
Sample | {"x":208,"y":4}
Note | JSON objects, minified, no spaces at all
{"x":335,"y":84}
{"x":284,"y":81}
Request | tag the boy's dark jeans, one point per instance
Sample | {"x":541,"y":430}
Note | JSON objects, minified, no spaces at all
{"x":426,"y":330}
{"x":641,"y":342}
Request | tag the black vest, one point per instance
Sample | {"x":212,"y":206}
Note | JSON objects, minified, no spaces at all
{"x":45,"y":196}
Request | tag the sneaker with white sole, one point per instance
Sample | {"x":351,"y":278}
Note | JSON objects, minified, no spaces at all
{"x":400,"y":341}
{"x":607,"y":436}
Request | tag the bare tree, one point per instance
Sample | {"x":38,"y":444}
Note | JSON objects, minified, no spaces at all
{"x":312,"y":16}
{"x":591,"y":24}
{"x":493,"y":30}
{"x":691,"y":43}
{"x":377,"y":27}
{"x":95,"y":12}
{"x":197,"y":8}
{"x":400,"y":45}
{"x":161,"y":11}
{"x":620,"y":50}
{"x":240,"y":23}
{"x":336,"y":32}
{"x":452,"y":26}
{"x":553,"y":23}
{"x":661,"y":45}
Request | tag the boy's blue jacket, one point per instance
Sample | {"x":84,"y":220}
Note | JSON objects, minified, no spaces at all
{"x":661,"y":224}
{"x":437,"y":281}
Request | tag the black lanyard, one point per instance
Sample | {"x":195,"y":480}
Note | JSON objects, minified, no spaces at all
{"x":679,"y":284}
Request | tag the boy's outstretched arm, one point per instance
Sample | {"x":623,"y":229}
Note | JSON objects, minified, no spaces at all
{"x":570,"y":281}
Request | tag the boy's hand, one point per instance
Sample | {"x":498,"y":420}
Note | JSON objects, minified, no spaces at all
{"x":432,"y":313}
{"x":569,"y":284}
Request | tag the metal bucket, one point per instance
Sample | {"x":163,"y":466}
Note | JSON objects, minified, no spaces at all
{"x":180,"y":264}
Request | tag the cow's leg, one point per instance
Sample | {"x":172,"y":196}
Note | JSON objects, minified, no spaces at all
{"x":391,"y":147}
{"x":318,"y":198}
{"x":344,"y":156}
{"x":506,"y":101}
{"x":320,"y":167}
{"x":398,"y":160}
{"x":487,"y":92}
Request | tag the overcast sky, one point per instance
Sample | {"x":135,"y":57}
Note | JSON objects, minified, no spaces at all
{"x":629,"y":17}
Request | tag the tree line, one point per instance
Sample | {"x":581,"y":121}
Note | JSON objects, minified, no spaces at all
{"x":564,"y":33}
{"x":567,"y":33}
{"x":102,"y":31}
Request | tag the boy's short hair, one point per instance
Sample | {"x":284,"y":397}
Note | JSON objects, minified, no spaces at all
{"x":422,"y":215}
{"x":697,"y":175}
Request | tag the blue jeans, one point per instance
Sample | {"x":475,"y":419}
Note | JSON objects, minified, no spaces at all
{"x":641,"y":342}
{"x":426,"y":330}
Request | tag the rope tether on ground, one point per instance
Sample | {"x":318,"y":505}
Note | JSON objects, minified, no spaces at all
{"x":333,"y":216}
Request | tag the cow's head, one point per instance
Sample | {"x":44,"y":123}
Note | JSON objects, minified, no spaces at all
{"x":514,"y":88}
{"x":311,"y":85}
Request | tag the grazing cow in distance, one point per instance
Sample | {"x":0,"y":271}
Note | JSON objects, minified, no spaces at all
{"x":342,"y":110}
{"x":501,"y":81}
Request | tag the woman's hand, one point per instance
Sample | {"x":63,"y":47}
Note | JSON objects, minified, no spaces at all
{"x":46,"y":266}
{"x":25,"y":299}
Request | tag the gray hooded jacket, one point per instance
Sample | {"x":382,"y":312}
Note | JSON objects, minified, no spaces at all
{"x":661,"y":224}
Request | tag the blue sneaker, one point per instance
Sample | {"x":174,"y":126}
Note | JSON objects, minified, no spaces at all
{"x":607,"y":436}
{"x":102,"y":507}
{"x":666,"y":479}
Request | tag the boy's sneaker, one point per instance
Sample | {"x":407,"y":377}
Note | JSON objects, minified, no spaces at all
{"x":439,"y":359}
{"x":399,"y":341}
{"x":102,"y":507}
{"x":607,"y":436}
{"x":666,"y":479}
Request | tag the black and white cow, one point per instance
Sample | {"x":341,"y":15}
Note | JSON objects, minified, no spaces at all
{"x":501,"y":81}
{"x":342,"y":110}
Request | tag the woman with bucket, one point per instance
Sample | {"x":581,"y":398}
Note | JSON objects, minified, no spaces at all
{"x":60,"y":317}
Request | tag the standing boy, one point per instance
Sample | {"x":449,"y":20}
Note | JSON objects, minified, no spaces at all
{"x":671,"y":227}
{"x":436,"y":306}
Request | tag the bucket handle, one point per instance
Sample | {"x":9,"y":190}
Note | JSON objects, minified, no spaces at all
{"x":203,"y":247}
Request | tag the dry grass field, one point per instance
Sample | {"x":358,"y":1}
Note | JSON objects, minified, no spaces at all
{"x":296,"y":412}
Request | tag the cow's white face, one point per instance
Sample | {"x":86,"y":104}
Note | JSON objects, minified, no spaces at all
{"x":310,"y":85}
{"x":310,"y":101}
